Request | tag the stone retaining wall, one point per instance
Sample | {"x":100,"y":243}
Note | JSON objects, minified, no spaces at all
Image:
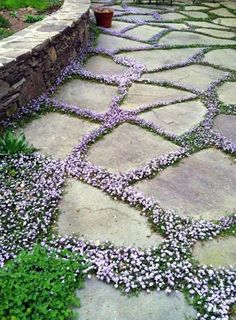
{"x":31,"y":59}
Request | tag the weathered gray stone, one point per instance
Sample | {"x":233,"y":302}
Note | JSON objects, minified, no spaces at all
{"x":87,"y":94}
{"x":115,"y":306}
{"x":88,"y":212}
{"x":194,"y":76}
{"x":56,"y":134}
{"x":230,"y":4}
{"x":218,"y":252}
{"x":229,"y":22}
{"x":212,"y":4}
{"x":203,"y":24}
{"x":195,"y":8}
{"x":195,"y":14}
{"x":158,"y":58}
{"x":138,"y":17}
{"x":227,"y":92}
{"x":177,"y":26}
{"x":222,"y":57}
{"x":144,"y":33}
{"x":222,"y":12}
{"x":201,"y":186}
{"x":114,"y":43}
{"x":226,"y":125}
{"x":216,"y":33}
{"x":172,"y":16}
{"x":119,"y":25}
{"x":143,"y":94}
{"x":128,"y":147}
{"x":4,"y":88}
{"x":177,"y":118}
{"x":187,"y":38}
{"x":102,"y":65}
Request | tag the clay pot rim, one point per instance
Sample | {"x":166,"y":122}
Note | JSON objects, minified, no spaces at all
{"x":99,"y":10}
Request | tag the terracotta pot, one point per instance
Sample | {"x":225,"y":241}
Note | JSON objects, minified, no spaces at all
{"x":103,"y":17}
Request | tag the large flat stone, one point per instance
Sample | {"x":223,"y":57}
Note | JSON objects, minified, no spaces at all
{"x":195,"y":14}
{"x":87,"y":94}
{"x":187,"y":38}
{"x":222,"y":12}
{"x":229,"y":22}
{"x":178,"y":26}
{"x":119,"y":25}
{"x":56,"y":134}
{"x":172,"y":16}
{"x":227,"y":92}
{"x":115,"y":306}
{"x":196,"y":76}
{"x":158,"y":58}
{"x":230,"y":4}
{"x":101,"y":65}
{"x":138,"y":17}
{"x":89,"y":212}
{"x":218,"y":252}
{"x":144,"y":32}
{"x":128,"y":147}
{"x":201,"y":186}
{"x":177,"y":118}
{"x":204,"y":24}
{"x":216,"y":33}
{"x":226,"y":125}
{"x":195,"y":8}
{"x":142,"y":94}
{"x":222,"y":57}
{"x":113,"y":43}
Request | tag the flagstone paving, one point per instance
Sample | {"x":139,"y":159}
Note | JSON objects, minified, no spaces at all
{"x":150,"y":135}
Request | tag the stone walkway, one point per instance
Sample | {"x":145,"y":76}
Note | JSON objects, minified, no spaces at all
{"x":149,"y":118}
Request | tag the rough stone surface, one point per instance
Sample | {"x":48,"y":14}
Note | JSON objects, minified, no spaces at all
{"x":187,"y":38}
{"x":115,"y":306}
{"x":158,"y":58}
{"x":114,"y":43}
{"x":172,"y":16}
{"x":119,"y":25}
{"x":222,"y":12}
{"x":128,"y":147}
{"x":195,"y":8}
{"x":218,"y":252}
{"x":102,"y":65}
{"x":203,"y":24}
{"x":216,"y":33}
{"x":88,"y":212}
{"x":229,"y":22}
{"x":195,"y":14}
{"x":177,"y":26}
{"x":230,"y":4}
{"x":195,"y":76}
{"x":227,"y":92}
{"x":144,"y":33}
{"x":201,"y":186}
{"x":138,"y":17}
{"x":177,"y":118}
{"x":87,"y":94}
{"x":226,"y":125}
{"x":56,"y":134}
{"x":222,"y":57}
{"x":144,"y":94}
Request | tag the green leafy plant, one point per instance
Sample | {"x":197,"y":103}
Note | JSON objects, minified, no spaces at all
{"x":41,"y":285}
{"x":33,"y":18}
{"x":4,"y":33}
{"x":4,"y":23}
{"x":11,"y":144}
{"x":40,"y":5}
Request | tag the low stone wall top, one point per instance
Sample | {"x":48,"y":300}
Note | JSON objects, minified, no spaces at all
{"x":31,"y":59}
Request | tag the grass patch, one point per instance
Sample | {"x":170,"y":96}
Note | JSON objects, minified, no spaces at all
{"x":4,"y":33}
{"x":4,"y":23}
{"x":33,"y":18}
{"x":36,"y":4}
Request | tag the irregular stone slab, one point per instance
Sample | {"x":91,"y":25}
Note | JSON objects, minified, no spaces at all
{"x":195,"y":76}
{"x":117,"y":7}
{"x":222,"y":12}
{"x":217,"y":33}
{"x":212,"y":4}
{"x":57,"y":134}
{"x":201,"y":186}
{"x":227,"y":92}
{"x":187,"y":38}
{"x":128,"y":147}
{"x":195,"y":8}
{"x":172,"y":16}
{"x":115,"y":306}
{"x":230,"y":4}
{"x":154,"y":59}
{"x":102,"y":65}
{"x":218,"y":252}
{"x":226,"y":125}
{"x":87,"y":94}
{"x":222,"y":57}
{"x":203,"y":24}
{"x":138,"y":17}
{"x":88,"y":212}
{"x":229,"y":22}
{"x":195,"y":14}
{"x":143,"y":10}
{"x":119,"y":25}
{"x":177,"y":118}
{"x":113,"y":43}
{"x":178,"y":26}
{"x":142,"y":94}
{"x":144,"y":33}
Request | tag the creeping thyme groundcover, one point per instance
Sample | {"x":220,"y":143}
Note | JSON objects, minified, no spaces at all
{"x":31,"y":187}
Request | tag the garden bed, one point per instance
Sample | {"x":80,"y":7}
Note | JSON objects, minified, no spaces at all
{"x":16,"y":15}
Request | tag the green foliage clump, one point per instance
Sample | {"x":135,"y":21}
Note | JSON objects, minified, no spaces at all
{"x":33,"y":18}
{"x":11,"y":144}
{"x":4,"y":23}
{"x":4,"y":33}
{"x":40,"y":285}
{"x":40,"y":5}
